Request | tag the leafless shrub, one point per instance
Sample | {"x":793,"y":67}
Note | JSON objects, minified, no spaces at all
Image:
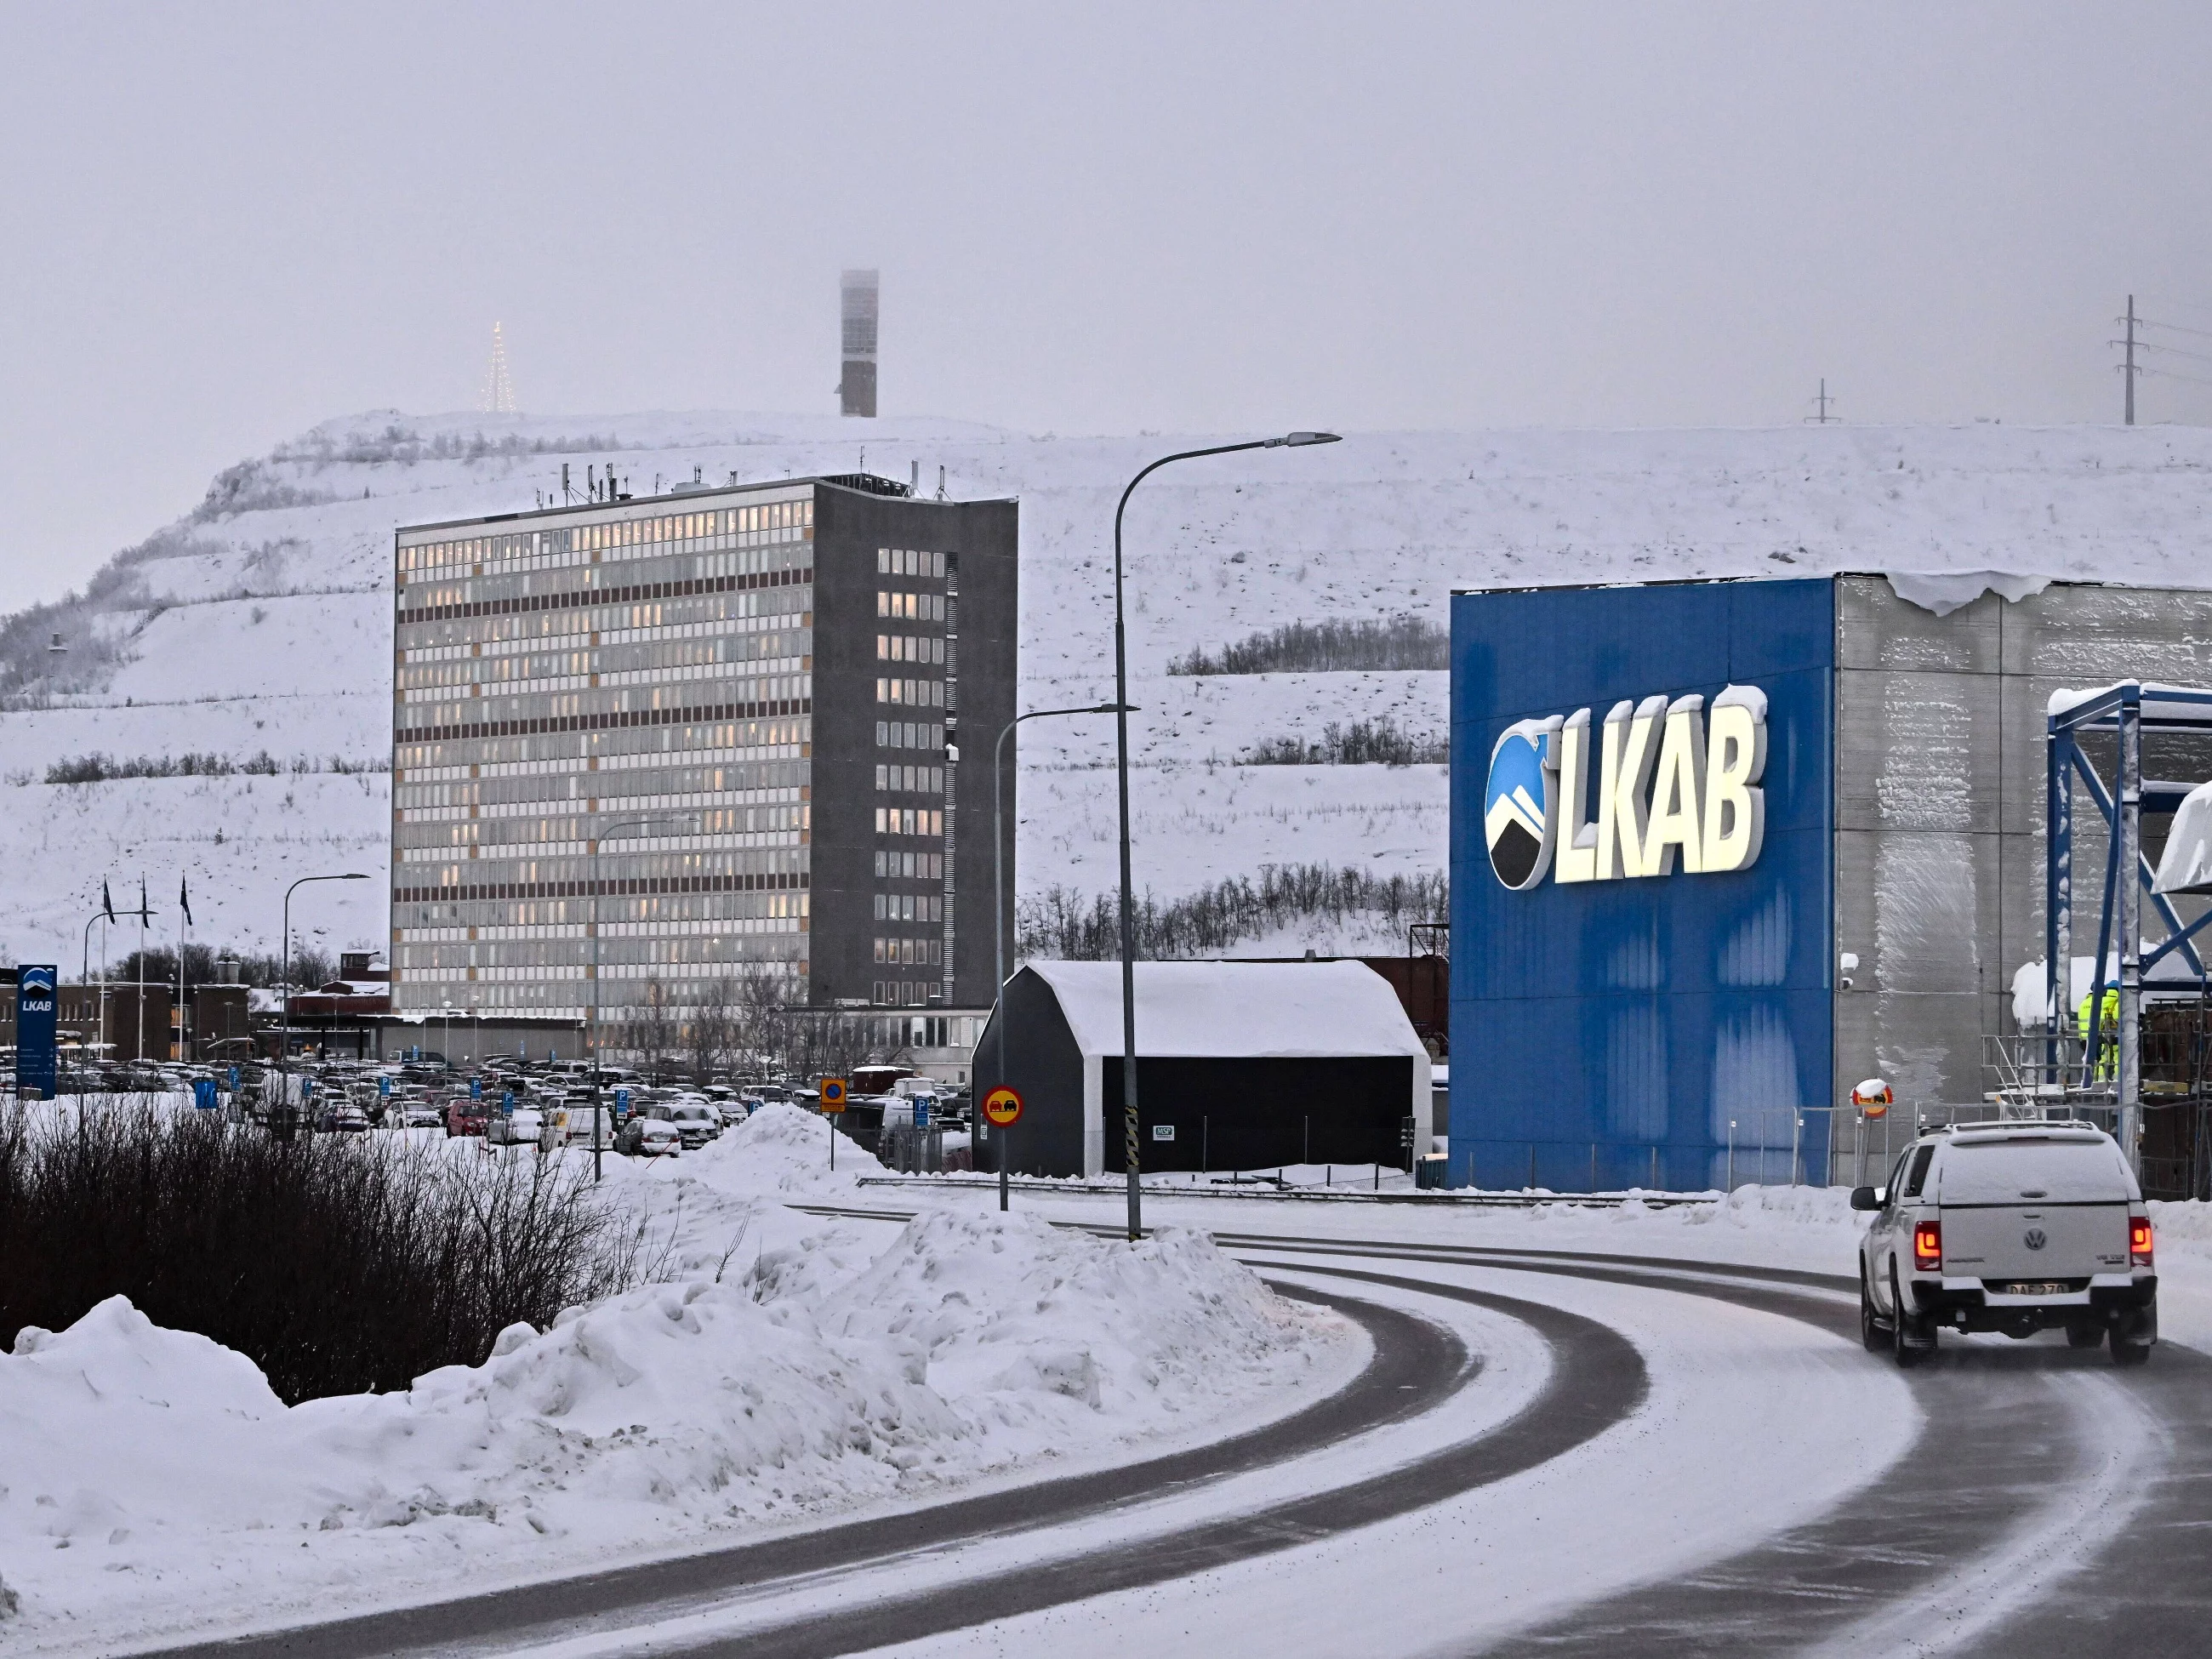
{"x":336,"y":1263}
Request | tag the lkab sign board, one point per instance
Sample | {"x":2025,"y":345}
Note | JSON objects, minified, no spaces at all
{"x":1641,"y":895}
{"x":1674,"y":792}
{"x":35,"y":992}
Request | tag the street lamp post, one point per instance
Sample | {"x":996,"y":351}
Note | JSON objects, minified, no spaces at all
{"x":1289,"y":441}
{"x":998,"y":886}
{"x":592,"y":1030}
{"x":284,"y":990}
{"x":84,"y":977}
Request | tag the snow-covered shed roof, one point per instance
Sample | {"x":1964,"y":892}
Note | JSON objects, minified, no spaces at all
{"x":1231,"y":1010}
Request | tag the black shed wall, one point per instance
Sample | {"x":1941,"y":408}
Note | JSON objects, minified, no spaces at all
{"x":1250,"y":1113}
{"x":1042,"y":1061}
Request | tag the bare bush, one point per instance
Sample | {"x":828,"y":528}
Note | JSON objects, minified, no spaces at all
{"x":336,"y":1264}
{"x":1330,"y":646}
{"x":1065,"y":926}
{"x":1364,"y":742}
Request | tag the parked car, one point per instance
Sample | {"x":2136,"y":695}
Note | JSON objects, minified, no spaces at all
{"x":649,"y":1137}
{"x":696,"y":1121}
{"x":520,"y":1128}
{"x":2015,"y":1227}
{"x":464,"y":1116}
{"x":576,"y":1124}
{"x":421,"y":1114}
{"x":343,"y":1119}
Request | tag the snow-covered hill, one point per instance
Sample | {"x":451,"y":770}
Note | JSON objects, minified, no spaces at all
{"x":259,"y":620}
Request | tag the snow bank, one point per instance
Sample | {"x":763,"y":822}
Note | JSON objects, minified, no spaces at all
{"x":149,"y":1480}
{"x":2187,"y":1223}
{"x":1747,"y":1209}
{"x":783,"y":1149}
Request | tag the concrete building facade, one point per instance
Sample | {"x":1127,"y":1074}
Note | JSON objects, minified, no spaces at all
{"x":729,"y":718}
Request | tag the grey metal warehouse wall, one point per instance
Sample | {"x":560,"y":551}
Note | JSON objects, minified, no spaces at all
{"x":1940,"y":777}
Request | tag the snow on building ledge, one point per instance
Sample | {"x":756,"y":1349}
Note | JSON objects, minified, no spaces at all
{"x":1945,"y":591}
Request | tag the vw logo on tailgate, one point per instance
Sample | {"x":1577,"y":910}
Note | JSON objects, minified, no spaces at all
{"x":2033,"y":1238}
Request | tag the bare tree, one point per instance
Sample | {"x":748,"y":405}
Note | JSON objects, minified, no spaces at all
{"x":762,"y":1024}
{"x":712,"y":1022}
{"x":650,"y":1034}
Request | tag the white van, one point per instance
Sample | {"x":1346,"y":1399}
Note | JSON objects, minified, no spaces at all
{"x":2015,"y":1227}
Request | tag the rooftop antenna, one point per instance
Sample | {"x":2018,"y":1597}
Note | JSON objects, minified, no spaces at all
{"x":567,"y":493}
{"x":940,"y":483}
{"x":499,"y":389}
{"x":913,"y":479}
{"x":1821,"y":416}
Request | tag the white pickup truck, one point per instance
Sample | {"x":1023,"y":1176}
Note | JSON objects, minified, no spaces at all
{"x":2015,"y":1227}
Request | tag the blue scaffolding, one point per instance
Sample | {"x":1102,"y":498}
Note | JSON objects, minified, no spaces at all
{"x":2132,"y":711}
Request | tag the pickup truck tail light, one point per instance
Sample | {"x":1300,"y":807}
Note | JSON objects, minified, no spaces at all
{"x":2139,"y":1240}
{"x":1927,"y":1245}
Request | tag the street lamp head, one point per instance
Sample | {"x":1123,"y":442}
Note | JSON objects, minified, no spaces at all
{"x":1300,"y":439}
{"x":353,"y":875}
{"x":1113,"y":708}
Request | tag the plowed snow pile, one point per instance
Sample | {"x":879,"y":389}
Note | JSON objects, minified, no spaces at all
{"x":151,"y":1481}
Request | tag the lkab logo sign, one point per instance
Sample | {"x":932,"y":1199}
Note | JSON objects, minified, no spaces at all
{"x":1677,"y":788}
{"x":35,"y":990}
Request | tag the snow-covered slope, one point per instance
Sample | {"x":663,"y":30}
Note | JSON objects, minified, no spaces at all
{"x":260,"y":621}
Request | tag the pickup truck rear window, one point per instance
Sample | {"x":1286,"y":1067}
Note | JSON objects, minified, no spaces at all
{"x":2054,"y":1171}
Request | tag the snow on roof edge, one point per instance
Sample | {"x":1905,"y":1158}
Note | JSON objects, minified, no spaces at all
{"x":1231,"y":1010}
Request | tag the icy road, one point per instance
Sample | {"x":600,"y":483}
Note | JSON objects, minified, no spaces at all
{"x":1575,"y":1450}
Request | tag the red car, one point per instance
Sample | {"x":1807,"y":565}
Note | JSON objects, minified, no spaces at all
{"x":466,"y":1117}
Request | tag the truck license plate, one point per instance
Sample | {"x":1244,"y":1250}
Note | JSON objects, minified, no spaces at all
{"x":2035,"y":1287}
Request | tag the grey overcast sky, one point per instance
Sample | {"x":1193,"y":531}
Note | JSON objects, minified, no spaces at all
{"x":224,"y":223}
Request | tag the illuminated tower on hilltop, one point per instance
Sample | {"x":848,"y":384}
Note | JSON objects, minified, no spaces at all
{"x":498,"y":388}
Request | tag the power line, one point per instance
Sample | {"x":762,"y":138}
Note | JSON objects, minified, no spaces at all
{"x":2171,"y":375}
{"x":2172,"y":351}
{"x":2178,"y":328}
{"x":1821,"y":416}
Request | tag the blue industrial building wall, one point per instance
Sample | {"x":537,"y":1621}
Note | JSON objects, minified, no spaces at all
{"x":1609,"y":1032}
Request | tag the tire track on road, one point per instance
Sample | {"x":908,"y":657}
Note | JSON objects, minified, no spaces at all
{"x":1415,"y":1365}
{"x":1598,"y":1380}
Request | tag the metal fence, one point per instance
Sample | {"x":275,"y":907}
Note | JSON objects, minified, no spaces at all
{"x":1779,"y":1145}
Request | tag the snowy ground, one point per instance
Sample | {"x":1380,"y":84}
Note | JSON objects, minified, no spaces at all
{"x":792,"y":1369}
{"x":797,"y":1367}
{"x":261,"y":620}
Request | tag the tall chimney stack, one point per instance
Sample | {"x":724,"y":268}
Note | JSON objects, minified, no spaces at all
{"x":858,"y":293}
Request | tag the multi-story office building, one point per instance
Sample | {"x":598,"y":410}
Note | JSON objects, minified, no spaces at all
{"x":729,"y":731}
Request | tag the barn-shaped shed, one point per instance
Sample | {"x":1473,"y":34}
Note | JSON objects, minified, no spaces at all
{"x":1241,"y":1065}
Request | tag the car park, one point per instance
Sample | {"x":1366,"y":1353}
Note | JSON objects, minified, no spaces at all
{"x":2012,"y":1227}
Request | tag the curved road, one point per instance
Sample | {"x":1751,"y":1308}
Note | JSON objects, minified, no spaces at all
{"x":2048,"y":1505}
